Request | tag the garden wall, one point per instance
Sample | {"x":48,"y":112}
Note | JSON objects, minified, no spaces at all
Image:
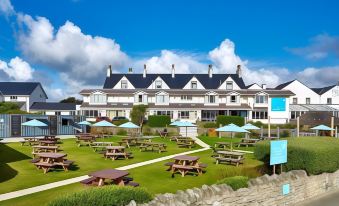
{"x":265,"y":190}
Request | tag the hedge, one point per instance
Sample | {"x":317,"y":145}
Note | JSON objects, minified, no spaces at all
{"x":210,"y":125}
{"x":159,"y":121}
{"x":120,"y":122}
{"x":224,"y":120}
{"x":235,"y":182}
{"x":315,"y":155}
{"x":104,"y":196}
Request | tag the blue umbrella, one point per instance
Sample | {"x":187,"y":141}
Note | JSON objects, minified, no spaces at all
{"x":84,"y":123}
{"x":34,"y":123}
{"x":103,"y":123}
{"x":322,"y":127}
{"x":184,"y":124}
{"x":174,"y":123}
{"x":250,"y":126}
{"x":232,"y":128}
{"x":129,"y":125}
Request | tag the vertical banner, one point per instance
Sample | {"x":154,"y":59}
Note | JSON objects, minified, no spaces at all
{"x":278,"y":153}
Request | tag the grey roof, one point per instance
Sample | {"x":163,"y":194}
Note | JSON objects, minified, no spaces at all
{"x":53,"y":106}
{"x":311,"y":107}
{"x":178,"y":82}
{"x":19,"y":88}
{"x":283,"y":85}
{"x":121,"y":92}
{"x":322,"y":90}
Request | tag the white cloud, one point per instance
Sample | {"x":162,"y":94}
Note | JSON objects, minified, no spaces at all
{"x":6,"y":8}
{"x":319,"y":77}
{"x":17,"y":69}
{"x":67,"y":49}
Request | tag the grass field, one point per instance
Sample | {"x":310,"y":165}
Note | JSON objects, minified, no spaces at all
{"x":154,"y":177}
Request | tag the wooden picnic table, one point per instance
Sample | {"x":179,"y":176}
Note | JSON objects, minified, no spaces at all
{"x":223,"y":145}
{"x":163,"y":134}
{"x":116,"y":176}
{"x":230,"y":157}
{"x":30,"y":140}
{"x":100,"y":145}
{"x":248,"y":142}
{"x":153,"y":146}
{"x":184,"y":164}
{"x":129,"y":141}
{"x":114,"y":152}
{"x":186,"y":142}
{"x":46,"y":161}
{"x":44,"y":149}
{"x":85,"y":140}
{"x":48,"y":142}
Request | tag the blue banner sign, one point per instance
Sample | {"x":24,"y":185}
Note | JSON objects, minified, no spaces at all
{"x":286,"y":189}
{"x":278,"y":104}
{"x":278,"y":154}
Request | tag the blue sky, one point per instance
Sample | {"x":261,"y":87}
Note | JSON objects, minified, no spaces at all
{"x":270,"y":37}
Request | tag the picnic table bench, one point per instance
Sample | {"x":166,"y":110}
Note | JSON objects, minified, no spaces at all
{"x":100,"y":145}
{"x":47,"y":161}
{"x":40,"y":148}
{"x":115,"y":152}
{"x":186,"y":142}
{"x":128,"y":141}
{"x":184,"y":164}
{"x":85,"y":140}
{"x":30,"y":140}
{"x":163,"y":134}
{"x":229,"y":157}
{"x":152,"y":146}
{"x":247,"y":142}
{"x":47,"y":142}
{"x":223,"y":145}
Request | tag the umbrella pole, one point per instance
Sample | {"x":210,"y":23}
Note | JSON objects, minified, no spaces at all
{"x":186,"y":131}
{"x":231,"y":141}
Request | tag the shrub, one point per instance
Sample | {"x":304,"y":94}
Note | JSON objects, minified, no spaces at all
{"x":210,"y":125}
{"x":223,"y":120}
{"x":122,"y":132}
{"x":285,"y":133}
{"x":104,"y":196}
{"x":315,"y":155}
{"x":146,"y":130}
{"x":120,"y":121}
{"x":159,"y":120}
{"x":235,"y":182}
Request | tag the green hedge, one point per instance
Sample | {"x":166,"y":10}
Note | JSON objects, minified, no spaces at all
{"x":224,"y":120}
{"x":315,"y":155}
{"x":210,"y":125}
{"x":122,"y":132}
{"x":104,"y":196}
{"x":235,"y":182}
{"x":159,"y":121}
{"x":120,"y":122}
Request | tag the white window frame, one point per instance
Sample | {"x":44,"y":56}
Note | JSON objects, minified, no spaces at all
{"x":308,"y":102}
{"x":295,"y":100}
{"x":261,"y":99}
{"x":211,"y":97}
{"x":14,"y":98}
{"x":329,"y":102}
{"x":158,"y":84}
{"x":194,"y":83}
{"x":229,"y":83}
{"x":124,"y":84}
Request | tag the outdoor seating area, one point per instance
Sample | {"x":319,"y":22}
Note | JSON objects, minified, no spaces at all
{"x":47,"y":161}
{"x":184,"y":164}
{"x":116,"y":152}
{"x":229,"y":157}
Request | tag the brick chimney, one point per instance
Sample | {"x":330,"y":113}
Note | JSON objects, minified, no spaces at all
{"x":239,"y":72}
{"x":173,"y":71}
{"x":145,"y":71}
{"x":109,"y":70}
{"x":210,"y":71}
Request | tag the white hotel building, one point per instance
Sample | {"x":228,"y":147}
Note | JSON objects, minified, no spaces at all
{"x":190,"y":97}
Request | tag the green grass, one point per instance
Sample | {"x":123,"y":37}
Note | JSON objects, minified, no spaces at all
{"x":16,"y":171}
{"x":156,"y":179}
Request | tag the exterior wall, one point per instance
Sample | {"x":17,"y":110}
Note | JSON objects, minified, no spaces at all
{"x":332,"y":93}
{"x":163,"y":84}
{"x":199,"y":85}
{"x":302,"y":92}
{"x":255,"y":86}
{"x":265,"y":190}
{"x":37,"y":95}
{"x":278,"y":117}
{"x":229,"y":79}
{"x":129,"y":85}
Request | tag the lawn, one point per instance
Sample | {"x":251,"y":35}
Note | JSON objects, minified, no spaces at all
{"x":16,"y":171}
{"x":156,"y":179}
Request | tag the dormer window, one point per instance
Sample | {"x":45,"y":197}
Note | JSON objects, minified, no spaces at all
{"x":14,"y":98}
{"x":124,"y":84}
{"x":158,"y":84}
{"x":233,"y":99}
{"x":261,"y":99}
{"x":211,"y":99}
{"x":229,"y":85}
{"x":194,"y":85}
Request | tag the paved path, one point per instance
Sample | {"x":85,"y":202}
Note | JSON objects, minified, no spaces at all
{"x":40,"y":188}
{"x":330,"y":199}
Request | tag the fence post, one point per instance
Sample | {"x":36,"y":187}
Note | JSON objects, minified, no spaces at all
{"x":278,"y":132}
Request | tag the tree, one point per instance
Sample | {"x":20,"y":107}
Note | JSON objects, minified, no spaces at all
{"x":138,"y":114}
{"x":71,"y":100}
{"x":10,"y":108}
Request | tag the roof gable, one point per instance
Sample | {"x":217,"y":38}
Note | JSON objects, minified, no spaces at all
{"x":323,"y":90}
{"x":19,"y":88}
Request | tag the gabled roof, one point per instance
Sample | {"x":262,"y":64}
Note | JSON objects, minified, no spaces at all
{"x":53,"y":106}
{"x":19,"y":88}
{"x":283,"y":85}
{"x":178,"y":82}
{"x":323,"y":90}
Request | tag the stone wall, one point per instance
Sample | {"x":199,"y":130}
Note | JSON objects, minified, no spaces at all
{"x":264,"y":191}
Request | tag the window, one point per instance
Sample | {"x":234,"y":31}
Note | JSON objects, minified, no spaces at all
{"x":295,"y":100}
{"x":158,"y":84}
{"x":14,"y":98}
{"x":229,"y":85}
{"x":140,"y":98}
{"x":194,"y":85}
{"x":124,"y":84}
{"x":211,"y":99}
{"x":64,"y":122}
{"x":186,"y":97}
{"x":233,"y":99}
{"x":57,"y":113}
{"x":161,"y":99}
{"x":261,"y":99}
{"x":98,"y":98}
{"x":184,"y":114}
{"x":308,"y":100}
{"x":90,"y":113}
{"x":259,"y":115}
{"x":165,"y":113}
{"x":329,"y":100}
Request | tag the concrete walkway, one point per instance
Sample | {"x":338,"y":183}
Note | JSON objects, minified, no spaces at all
{"x":327,"y":199}
{"x":19,"y":193}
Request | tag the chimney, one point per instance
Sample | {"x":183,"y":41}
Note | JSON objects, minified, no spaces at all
{"x":109,"y":70}
{"x":130,"y":70}
{"x":173,"y":71}
{"x":210,"y":71}
{"x":263,"y":86}
{"x":239,"y":71}
{"x":145,"y":71}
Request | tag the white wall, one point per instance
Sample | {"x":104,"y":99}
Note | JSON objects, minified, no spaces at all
{"x":163,"y":84}
{"x":302,"y":92}
{"x":129,"y":85}
{"x":199,"y":85}
{"x":255,"y":87}
{"x":332,"y":93}
{"x":229,"y":79}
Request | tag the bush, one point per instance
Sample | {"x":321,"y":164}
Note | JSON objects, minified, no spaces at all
{"x":235,"y":182}
{"x":146,"y":130}
{"x":285,"y":133}
{"x":315,"y":155}
{"x":224,"y":120}
{"x":120,"y":121}
{"x":210,"y":125}
{"x":104,"y":196}
{"x":122,"y":132}
{"x":159,"y":120}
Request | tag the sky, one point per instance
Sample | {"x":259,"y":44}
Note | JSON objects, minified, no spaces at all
{"x":67,"y":44}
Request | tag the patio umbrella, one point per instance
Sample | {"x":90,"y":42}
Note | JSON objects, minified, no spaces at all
{"x":250,"y":126}
{"x":85,"y":123}
{"x":175,"y":123}
{"x":184,"y":124}
{"x":103,"y":123}
{"x":322,"y":127}
{"x":34,"y":123}
{"x":129,"y":125}
{"x":233,"y":129}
